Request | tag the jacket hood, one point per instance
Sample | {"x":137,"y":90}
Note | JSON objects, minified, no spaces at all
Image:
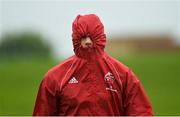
{"x":88,"y":26}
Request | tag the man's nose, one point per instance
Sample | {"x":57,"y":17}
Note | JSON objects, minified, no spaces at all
{"x":88,"y":41}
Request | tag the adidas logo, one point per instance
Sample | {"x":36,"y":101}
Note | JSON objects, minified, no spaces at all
{"x":73,"y":80}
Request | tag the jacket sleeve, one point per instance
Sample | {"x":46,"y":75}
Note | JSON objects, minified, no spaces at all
{"x":46,"y":100}
{"x":135,"y":101}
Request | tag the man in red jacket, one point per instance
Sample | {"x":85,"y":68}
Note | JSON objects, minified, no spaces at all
{"x":91,"y":82}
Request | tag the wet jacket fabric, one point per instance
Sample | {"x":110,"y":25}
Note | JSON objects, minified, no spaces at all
{"x":91,"y":82}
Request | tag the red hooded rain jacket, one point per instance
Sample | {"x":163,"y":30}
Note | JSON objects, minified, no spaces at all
{"x":91,"y":82}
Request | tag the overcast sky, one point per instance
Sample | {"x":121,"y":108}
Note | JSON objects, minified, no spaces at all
{"x":53,"y":18}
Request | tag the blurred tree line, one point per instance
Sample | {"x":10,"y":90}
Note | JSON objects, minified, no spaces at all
{"x":24,"y":44}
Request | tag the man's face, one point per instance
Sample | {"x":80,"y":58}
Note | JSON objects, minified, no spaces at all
{"x":86,"y":42}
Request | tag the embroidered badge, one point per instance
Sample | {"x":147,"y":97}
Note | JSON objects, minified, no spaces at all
{"x":109,"y":78}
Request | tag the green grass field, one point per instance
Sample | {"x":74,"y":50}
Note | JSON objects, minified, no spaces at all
{"x":159,"y":74}
{"x":19,"y":81}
